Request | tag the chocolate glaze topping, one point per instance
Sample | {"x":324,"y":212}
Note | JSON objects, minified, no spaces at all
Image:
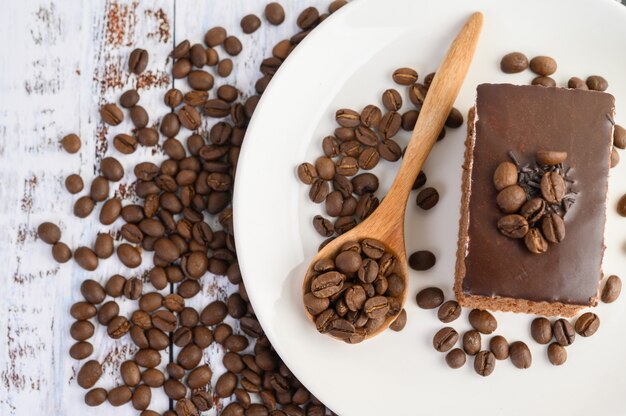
{"x":525,"y":119}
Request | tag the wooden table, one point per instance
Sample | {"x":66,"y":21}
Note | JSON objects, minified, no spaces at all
{"x":60,"y":61}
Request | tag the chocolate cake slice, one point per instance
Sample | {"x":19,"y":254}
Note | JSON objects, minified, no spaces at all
{"x":499,"y":273}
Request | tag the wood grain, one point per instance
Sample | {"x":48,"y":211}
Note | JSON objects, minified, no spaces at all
{"x":62,"y":61}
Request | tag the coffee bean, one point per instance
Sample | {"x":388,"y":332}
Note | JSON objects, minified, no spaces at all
{"x":577,"y":83}
{"x":454,"y":120}
{"x":119,"y":396}
{"x":129,"y":98}
{"x":49,"y":233}
{"x":612,"y":289}
{"x":327,"y":284}
{"x":619,"y":137}
{"x":541,"y":330}
{"x":99,"y":189}
{"x":107,"y":312}
{"x":482,"y":321}
{"x":319,"y":190}
{"x":557,"y":354}
{"x":449,"y":311}
{"x":71,"y":143}
{"x":417,"y":95}
{"x":535,"y":242}
{"x":371,"y":116}
{"x":81,"y":330}
{"x":430,"y":298}
{"x":484,"y":363}
{"x":368,"y":159}
{"x":125,"y":143}
{"x":471,"y":342}
{"x":86,"y":258}
{"x":347,"y":118}
{"x":400,"y":322}
{"x":456,"y":358}
{"x":198,"y":55}
{"x":110,"y":211}
{"x":81,"y":350}
{"x":533,"y":210}
{"x":445,"y":339}
{"x":553,"y":228}
{"x":274,"y":13}
{"x":82,"y":311}
{"x":225,"y":67}
{"x":513,"y":63}
{"x":95,"y":397}
{"x":139,"y":116}
{"x":150,"y":137}
{"x":427,"y":198}
{"x":419,"y":181}
{"x":389,"y":150}
{"x":348,"y":262}
{"x":129,"y":255}
{"x":131,"y":375}
{"x":325,"y":168}
{"x":61,"y":253}
{"x":513,"y":226}
{"x":376,"y":307}
{"x":111,"y":114}
{"x":189,"y":117}
{"x":409,"y":119}
{"x":215,"y":36}
{"x":597,"y":83}
{"x":115,"y":286}
{"x":232,"y":45}
{"x":74,"y":183}
{"x":499,"y":347}
{"x":543,"y":65}
{"x":511,"y":199}
{"x":404,"y":76}
{"x":173,"y":98}
{"x":141,"y":397}
{"x":89,"y":374}
{"x":587,"y":324}
{"x":564,"y":332}
{"x":138,"y":61}
{"x":226,"y":384}
{"x":92,"y":291}
{"x":520,"y":355}
{"x":505,"y":175}
{"x":199,"y":377}
{"x":392,"y":100}
{"x":334,"y":205}
{"x":550,"y":157}
{"x":308,"y":18}
{"x":181,"y":68}
{"x":213,"y":313}
{"x":422,"y":260}
{"x":390,"y":124}
{"x":200,"y":80}
{"x":544,"y":81}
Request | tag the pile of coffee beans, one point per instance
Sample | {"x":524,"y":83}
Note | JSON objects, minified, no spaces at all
{"x":352,"y":296}
{"x":179,"y":198}
{"x":544,"y":66}
{"x":534,"y":199}
{"x":361,"y":140}
{"x":483,"y":323}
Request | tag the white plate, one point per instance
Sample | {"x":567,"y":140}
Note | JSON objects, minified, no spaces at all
{"x":347,"y":62}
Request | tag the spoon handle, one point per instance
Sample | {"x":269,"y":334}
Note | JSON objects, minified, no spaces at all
{"x":441,"y":96}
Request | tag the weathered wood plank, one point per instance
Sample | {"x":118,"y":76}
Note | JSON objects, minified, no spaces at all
{"x":72,"y":58}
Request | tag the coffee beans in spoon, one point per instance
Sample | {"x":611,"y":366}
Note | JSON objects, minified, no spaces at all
{"x":351,"y":296}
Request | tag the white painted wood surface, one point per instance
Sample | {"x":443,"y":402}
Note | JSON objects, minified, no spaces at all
{"x":60,"y":61}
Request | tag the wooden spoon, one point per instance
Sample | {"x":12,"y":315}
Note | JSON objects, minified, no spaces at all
{"x":386,"y":223}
